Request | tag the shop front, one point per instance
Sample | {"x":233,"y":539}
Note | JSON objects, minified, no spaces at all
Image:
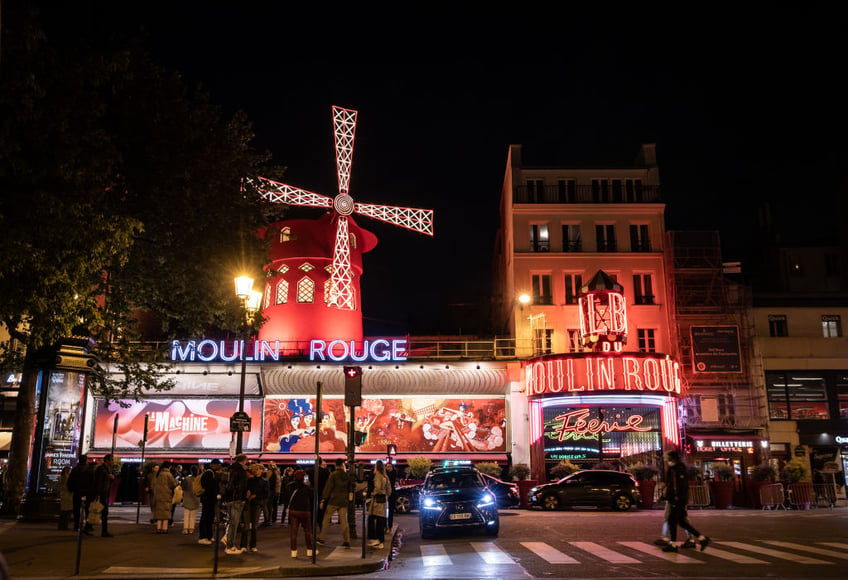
{"x":725,"y":463}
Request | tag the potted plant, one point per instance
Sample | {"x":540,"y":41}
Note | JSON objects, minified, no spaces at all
{"x":797,"y":471}
{"x":722,"y":487}
{"x":521,"y":471}
{"x":563,"y":468}
{"x":645,"y":475}
{"x":489,"y":468}
{"x":762,"y":475}
{"x":416,"y":469}
{"x":605,"y":465}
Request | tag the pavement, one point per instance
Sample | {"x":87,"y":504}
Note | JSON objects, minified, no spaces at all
{"x":38,"y":550}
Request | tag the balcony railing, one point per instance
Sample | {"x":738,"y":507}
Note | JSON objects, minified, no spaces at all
{"x":585,"y":194}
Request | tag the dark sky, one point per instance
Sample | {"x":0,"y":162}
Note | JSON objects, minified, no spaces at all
{"x":745,"y":109}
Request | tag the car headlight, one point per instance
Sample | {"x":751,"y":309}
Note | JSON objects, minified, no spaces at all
{"x":533,"y":490}
{"x":487,"y":498}
{"x":431,"y":504}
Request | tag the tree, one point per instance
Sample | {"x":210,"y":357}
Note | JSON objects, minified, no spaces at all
{"x":121,"y":215}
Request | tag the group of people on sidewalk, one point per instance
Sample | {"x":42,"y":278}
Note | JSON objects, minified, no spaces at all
{"x":80,"y":487}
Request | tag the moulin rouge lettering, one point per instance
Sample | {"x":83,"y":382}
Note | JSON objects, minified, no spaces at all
{"x":575,"y":422}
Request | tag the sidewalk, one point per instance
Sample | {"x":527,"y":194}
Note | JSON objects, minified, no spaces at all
{"x":39,"y":550}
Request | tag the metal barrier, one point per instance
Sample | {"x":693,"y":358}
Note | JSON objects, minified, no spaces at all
{"x":824,"y":494}
{"x":801,"y":495}
{"x":772,"y":496}
{"x":699,"y":496}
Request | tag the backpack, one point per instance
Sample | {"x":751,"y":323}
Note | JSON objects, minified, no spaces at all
{"x":197,"y":486}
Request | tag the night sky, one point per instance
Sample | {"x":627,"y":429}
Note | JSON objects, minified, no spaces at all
{"x":744,"y":109}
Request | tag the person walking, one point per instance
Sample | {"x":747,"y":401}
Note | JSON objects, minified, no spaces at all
{"x":255,"y":501}
{"x":677,"y":495}
{"x":323,"y":478}
{"x":191,"y":503}
{"x":150,"y":483}
{"x":274,"y":483}
{"x":664,"y":538}
{"x":236,"y":495}
{"x":163,"y":497}
{"x":392,"y":473}
{"x":103,"y":477}
{"x":285,"y":492}
{"x":66,"y":499}
{"x":335,"y":499}
{"x":378,"y":507}
{"x":81,"y":484}
{"x":208,"y":500}
{"x":301,"y":499}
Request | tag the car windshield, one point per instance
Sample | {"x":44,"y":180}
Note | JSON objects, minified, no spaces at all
{"x":454,"y":481}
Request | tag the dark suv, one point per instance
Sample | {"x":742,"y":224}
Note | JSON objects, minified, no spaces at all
{"x":599,"y":488}
{"x":457,"y":498}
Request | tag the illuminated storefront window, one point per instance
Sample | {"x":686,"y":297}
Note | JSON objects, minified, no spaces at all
{"x":797,"y":395}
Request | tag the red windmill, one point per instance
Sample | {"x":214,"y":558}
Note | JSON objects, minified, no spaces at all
{"x":342,"y":288}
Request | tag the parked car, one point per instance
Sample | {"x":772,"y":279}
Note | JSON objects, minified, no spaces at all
{"x":599,"y":488}
{"x":457,"y":498}
{"x":407,"y":496}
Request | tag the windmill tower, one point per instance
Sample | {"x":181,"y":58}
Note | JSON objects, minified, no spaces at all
{"x":312,"y":283}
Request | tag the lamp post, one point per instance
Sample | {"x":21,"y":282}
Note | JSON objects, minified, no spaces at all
{"x":250,"y":300}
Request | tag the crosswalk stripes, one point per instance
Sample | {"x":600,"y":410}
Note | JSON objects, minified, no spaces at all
{"x":652,"y":550}
{"x":775,"y":553}
{"x":604,"y":553}
{"x":811,"y":549}
{"x":491,"y":553}
{"x":548,"y":553}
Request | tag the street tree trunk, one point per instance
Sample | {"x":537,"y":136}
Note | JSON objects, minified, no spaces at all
{"x":21,"y":443}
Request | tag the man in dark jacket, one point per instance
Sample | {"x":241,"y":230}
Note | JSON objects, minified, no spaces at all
{"x":236,"y":495}
{"x":103,"y":478}
{"x":323,"y":477}
{"x":677,"y":495}
{"x":81,"y":483}
{"x":335,"y":499}
{"x":208,"y":500}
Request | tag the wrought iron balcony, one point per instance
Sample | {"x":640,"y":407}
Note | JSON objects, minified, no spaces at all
{"x":585,"y":194}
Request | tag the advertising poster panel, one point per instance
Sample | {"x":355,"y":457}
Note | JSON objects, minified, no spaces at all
{"x":61,"y":425}
{"x":414,"y":425}
{"x":715,"y":349}
{"x":175,"y":424}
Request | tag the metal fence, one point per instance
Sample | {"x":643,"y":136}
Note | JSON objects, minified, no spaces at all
{"x":699,"y":496}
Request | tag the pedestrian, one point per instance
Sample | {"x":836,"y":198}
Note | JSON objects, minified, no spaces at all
{"x":255,"y":500}
{"x":104,"y":475}
{"x":177,"y":496}
{"x":274,"y":483}
{"x":323,"y":478}
{"x":285,"y":492}
{"x":236,"y":496}
{"x":664,"y":538}
{"x":149,"y":488}
{"x":81,"y":484}
{"x":300,"y":512}
{"x":392,"y":473}
{"x":66,"y":499}
{"x":335,"y":499}
{"x":163,"y":497}
{"x":208,"y":500}
{"x":191,"y":503}
{"x":378,"y":507}
{"x":677,"y":495}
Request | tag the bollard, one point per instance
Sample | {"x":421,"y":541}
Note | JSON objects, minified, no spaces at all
{"x":217,"y":534}
{"x":80,"y":532}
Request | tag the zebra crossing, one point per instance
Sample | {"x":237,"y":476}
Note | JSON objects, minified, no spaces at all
{"x":757,"y":552}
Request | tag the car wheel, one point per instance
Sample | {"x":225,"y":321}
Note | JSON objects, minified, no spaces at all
{"x":550,"y":502}
{"x":622,"y":503}
{"x":402,"y":505}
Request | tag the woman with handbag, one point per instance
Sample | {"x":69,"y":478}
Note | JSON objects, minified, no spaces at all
{"x":163,"y":495}
{"x":378,"y":507}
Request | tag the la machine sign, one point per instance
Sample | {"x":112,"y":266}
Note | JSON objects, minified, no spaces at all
{"x":207,"y":350}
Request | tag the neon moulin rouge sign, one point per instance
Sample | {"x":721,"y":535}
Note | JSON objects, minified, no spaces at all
{"x":207,"y":350}
{"x":582,"y":373}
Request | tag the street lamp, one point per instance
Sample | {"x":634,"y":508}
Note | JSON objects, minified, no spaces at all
{"x":537,"y":338}
{"x":250,"y":300}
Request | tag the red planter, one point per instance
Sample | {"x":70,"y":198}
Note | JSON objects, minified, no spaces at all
{"x":722,"y":493}
{"x":646,"y":490}
{"x":524,"y":487}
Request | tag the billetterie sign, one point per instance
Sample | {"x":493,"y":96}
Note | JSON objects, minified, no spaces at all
{"x":208,"y":350}
{"x":583,"y":373}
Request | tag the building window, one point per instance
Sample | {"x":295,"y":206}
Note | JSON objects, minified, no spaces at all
{"x":266,"y":298}
{"x":540,"y":240}
{"x":282,"y":292}
{"x":566,"y":191}
{"x":797,"y":395}
{"x":305,"y":290}
{"x":647,"y":340}
{"x":541,"y":284}
{"x":352,"y":241}
{"x":574,"y":340}
{"x":306,"y":267}
{"x":286,"y":235}
{"x":639,"y":240}
{"x":571,"y":238}
{"x":600,"y":191}
{"x":777,"y":325}
{"x":543,"y":339}
{"x":605,"y":237}
{"x":573,"y":282}
{"x":643,"y":289}
{"x":535,"y":190}
{"x":831,"y":326}
{"x":633,"y":191}
{"x":842,"y":402}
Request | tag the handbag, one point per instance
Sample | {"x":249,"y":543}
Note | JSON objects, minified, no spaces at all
{"x":178,"y":495}
{"x":380,"y":497}
{"x":94,"y":509}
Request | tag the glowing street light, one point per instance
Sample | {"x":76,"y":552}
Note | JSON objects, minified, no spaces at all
{"x":250,"y":300}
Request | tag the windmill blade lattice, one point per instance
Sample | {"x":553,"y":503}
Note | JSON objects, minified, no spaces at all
{"x":341,"y":282}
